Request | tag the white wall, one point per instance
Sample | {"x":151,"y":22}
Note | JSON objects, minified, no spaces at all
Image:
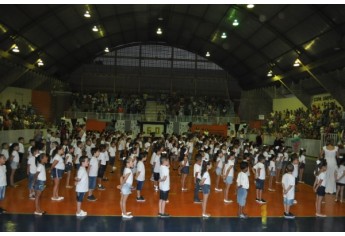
{"x":23,"y":96}
{"x":312,"y":146}
{"x":291,"y":103}
{"x":11,"y":136}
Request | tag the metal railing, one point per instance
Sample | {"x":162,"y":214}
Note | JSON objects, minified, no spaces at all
{"x":152,"y":117}
{"x":334,"y":138}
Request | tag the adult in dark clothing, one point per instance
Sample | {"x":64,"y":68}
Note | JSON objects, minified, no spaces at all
{"x":259,"y":139}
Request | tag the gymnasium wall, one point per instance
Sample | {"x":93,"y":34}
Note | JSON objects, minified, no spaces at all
{"x":254,"y":103}
{"x":11,"y":136}
{"x":23,"y":96}
{"x":291,"y":103}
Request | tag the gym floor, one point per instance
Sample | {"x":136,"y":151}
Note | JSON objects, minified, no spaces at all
{"x":104,"y":215}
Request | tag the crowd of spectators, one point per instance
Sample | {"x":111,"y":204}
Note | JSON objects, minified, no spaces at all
{"x":177,"y":105}
{"x":309,"y":123}
{"x":108,"y":103}
{"x":14,"y":116}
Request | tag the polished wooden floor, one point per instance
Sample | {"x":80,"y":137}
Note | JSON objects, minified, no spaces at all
{"x":180,"y":203}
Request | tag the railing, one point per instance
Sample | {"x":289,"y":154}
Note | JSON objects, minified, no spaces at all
{"x":334,"y":138}
{"x":150,"y":117}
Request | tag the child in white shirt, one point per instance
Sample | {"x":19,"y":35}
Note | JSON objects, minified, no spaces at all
{"x":288,"y":183}
{"x":82,"y":184}
{"x":242,"y":189}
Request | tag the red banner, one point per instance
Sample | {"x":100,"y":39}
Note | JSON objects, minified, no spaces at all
{"x":95,"y":125}
{"x":211,"y":129}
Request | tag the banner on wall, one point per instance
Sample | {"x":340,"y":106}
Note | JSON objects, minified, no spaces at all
{"x":95,"y":125}
{"x":324,"y":100}
{"x":211,"y":129}
{"x":153,"y":128}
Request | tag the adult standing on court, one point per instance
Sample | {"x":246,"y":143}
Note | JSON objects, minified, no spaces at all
{"x":330,"y":153}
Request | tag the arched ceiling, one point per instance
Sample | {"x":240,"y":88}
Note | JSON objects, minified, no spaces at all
{"x":267,"y":37}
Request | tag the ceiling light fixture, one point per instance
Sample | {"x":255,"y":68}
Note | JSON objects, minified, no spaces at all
{"x":208,"y":54}
{"x":15,"y":48}
{"x":40,"y":62}
{"x":297,"y":63}
{"x":106,"y":49}
{"x":235,"y":23}
{"x":250,"y":6}
{"x":270,"y":73}
{"x":223,"y":35}
{"x":95,"y":29}
{"x":159,"y":31}
{"x":87,"y":14}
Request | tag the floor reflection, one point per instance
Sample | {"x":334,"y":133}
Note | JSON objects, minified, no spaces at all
{"x":57,"y":223}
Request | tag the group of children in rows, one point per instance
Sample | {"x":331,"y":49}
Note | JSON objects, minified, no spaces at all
{"x":91,"y":157}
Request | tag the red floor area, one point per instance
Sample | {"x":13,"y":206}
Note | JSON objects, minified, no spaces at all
{"x":180,"y":203}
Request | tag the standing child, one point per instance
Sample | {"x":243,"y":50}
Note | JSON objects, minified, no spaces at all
{"x":69,"y":164}
{"x":31,"y":171}
{"x":272,"y":169}
{"x":102,"y":159}
{"x":197,"y":177}
{"x":219,"y":168}
{"x":5,"y":151}
{"x":184,"y":165}
{"x":77,"y":154}
{"x":279,"y":164}
{"x":126,"y":182}
{"x":260,"y":178}
{"x":295,"y":164}
{"x":40,"y":181}
{"x":164,"y":186}
{"x":340,"y":177}
{"x":14,"y":160}
{"x":112,"y":154}
{"x":242,"y":189}
{"x":3,"y":181}
{"x":248,"y":157}
{"x":82,"y":184}
{"x":32,"y":144}
{"x":320,"y":187}
{"x":156,"y":167}
{"x":301,"y":164}
{"x":21,"y":149}
{"x":57,"y":170}
{"x":228,"y":175}
{"x":205,"y":183}
{"x":140,"y":175}
{"x":92,"y":172}
{"x":288,"y":183}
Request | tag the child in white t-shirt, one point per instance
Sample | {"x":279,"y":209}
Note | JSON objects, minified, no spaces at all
{"x":164,"y":185}
{"x":228,"y":175}
{"x":320,"y":187}
{"x":340,"y":180}
{"x":3,"y":180}
{"x":82,"y":184}
{"x":126,"y":182}
{"x":140,"y":175}
{"x":205,"y":184}
{"x":272,"y":172}
{"x":93,"y":172}
{"x":288,"y":183}
{"x":31,"y":171}
{"x":40,"y":179}
{"x":260,"y":174}
{"x":242,"y":189}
